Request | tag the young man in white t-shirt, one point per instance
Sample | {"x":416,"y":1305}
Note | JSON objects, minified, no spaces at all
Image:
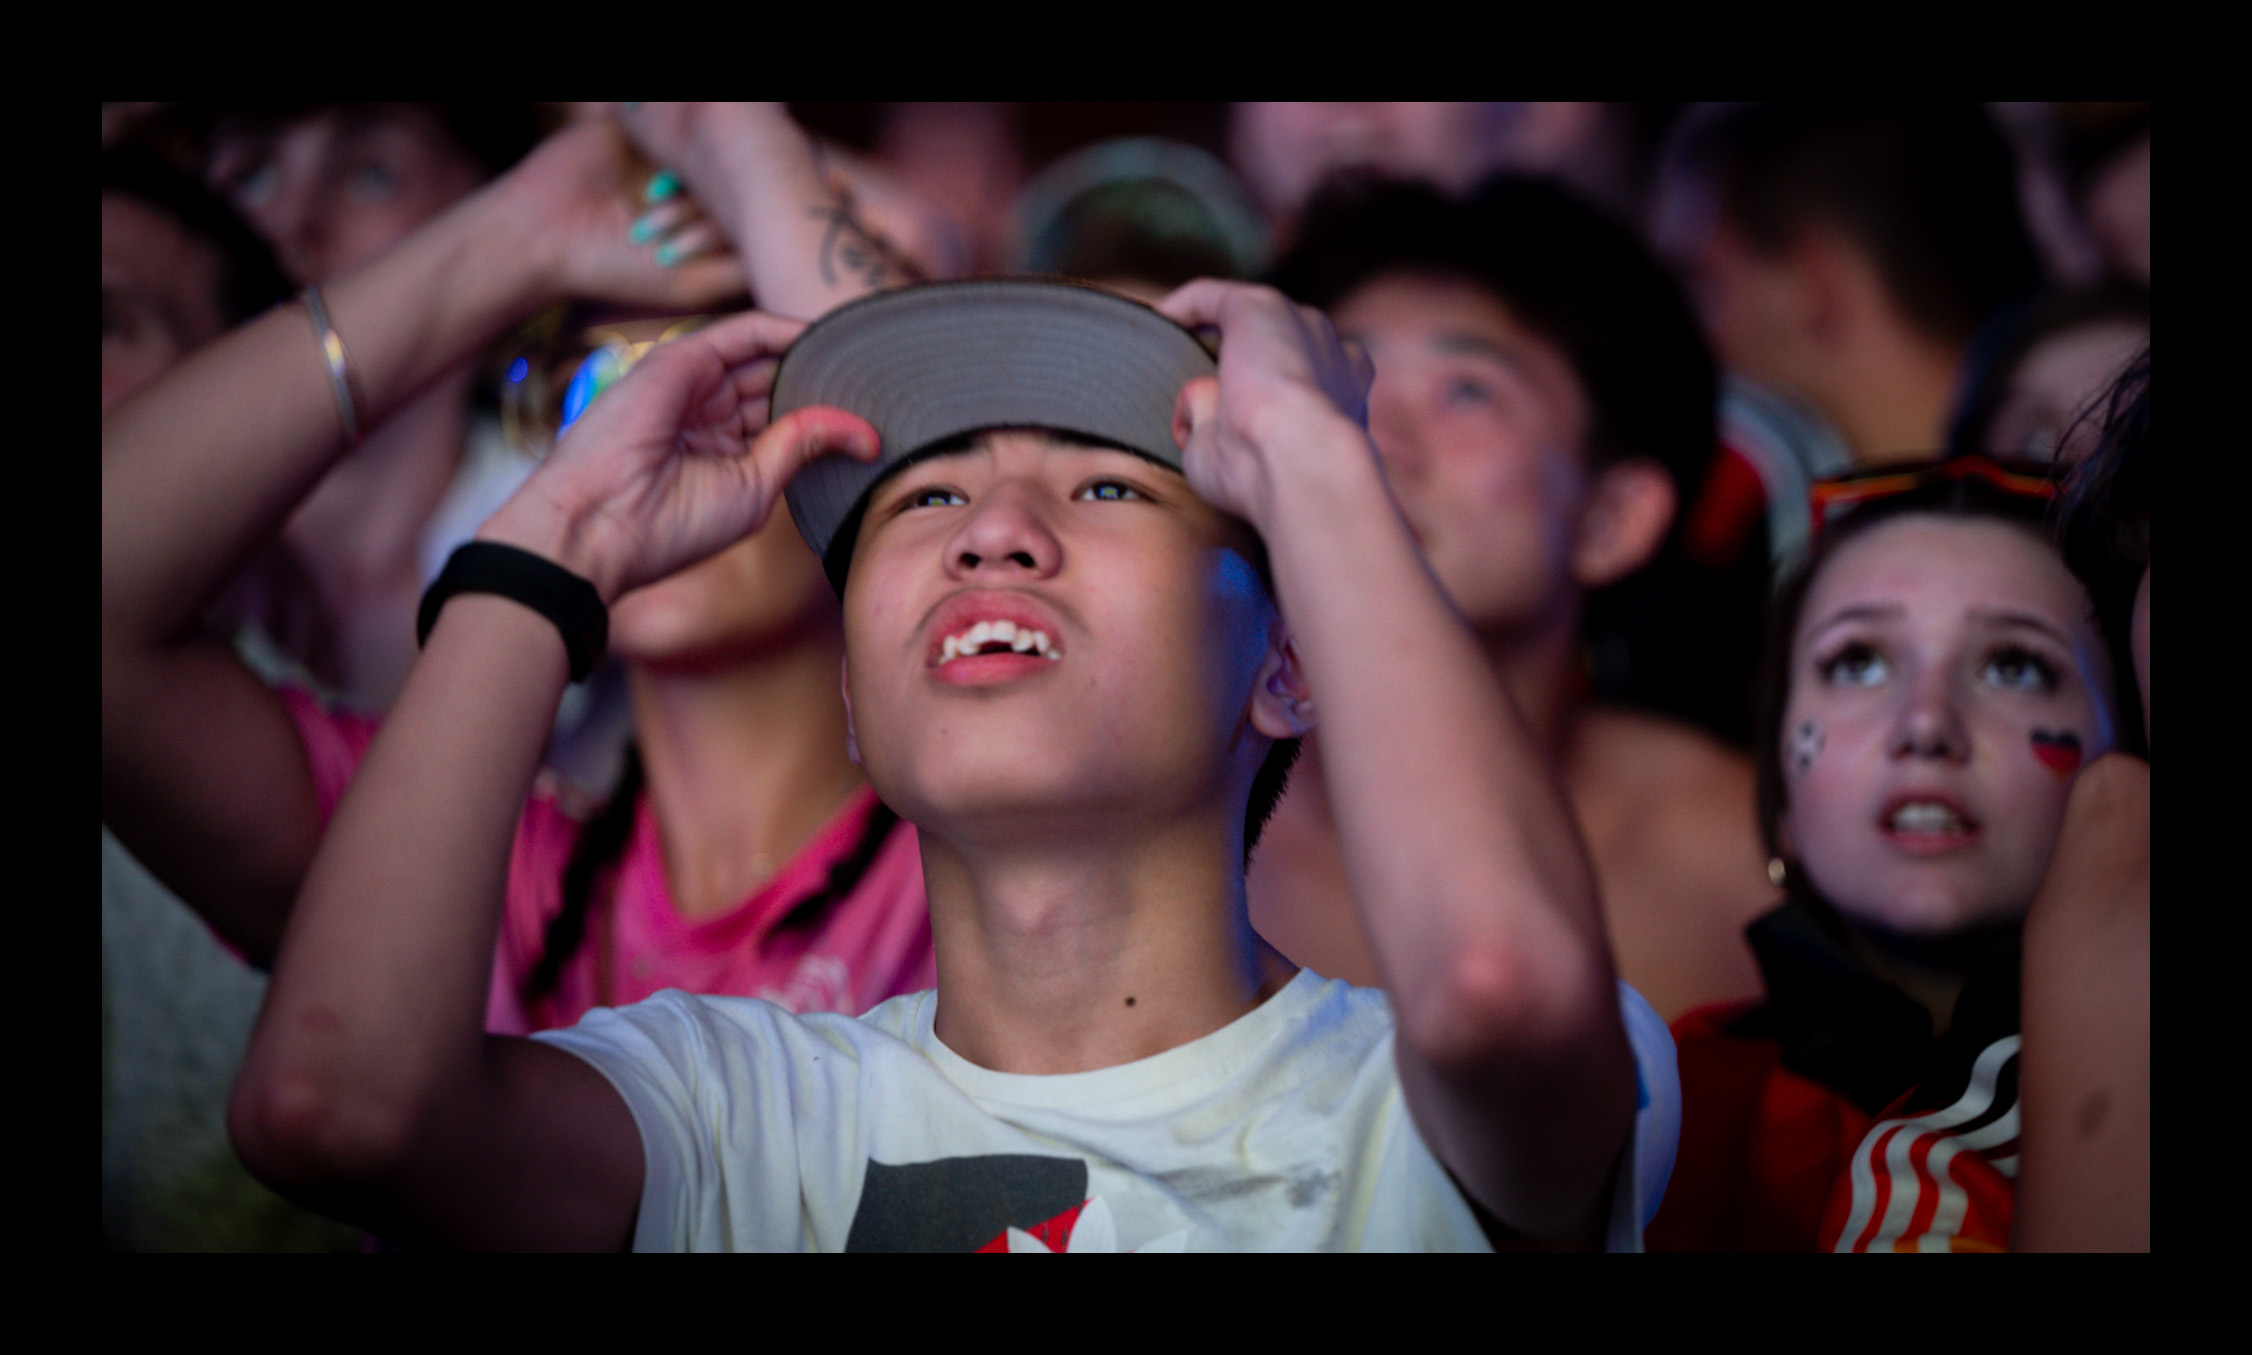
{"x":1067,"y":546}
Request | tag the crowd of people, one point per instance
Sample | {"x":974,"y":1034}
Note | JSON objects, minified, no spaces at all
{"x":1334,"y":677}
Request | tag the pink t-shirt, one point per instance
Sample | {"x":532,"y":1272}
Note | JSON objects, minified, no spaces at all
{"x":873,"y":944}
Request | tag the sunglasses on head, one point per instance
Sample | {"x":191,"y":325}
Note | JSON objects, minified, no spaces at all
{"x":2026,"y":479}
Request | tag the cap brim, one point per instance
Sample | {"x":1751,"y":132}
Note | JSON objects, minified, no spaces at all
{"x":931,"y":363}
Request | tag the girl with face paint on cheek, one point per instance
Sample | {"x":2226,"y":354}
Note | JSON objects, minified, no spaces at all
{"x":1943,"y":687}
{"x":1934,"y":683}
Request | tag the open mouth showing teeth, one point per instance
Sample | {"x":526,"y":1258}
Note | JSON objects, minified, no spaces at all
{"x":1927,"y":816}
{"x":997,"y":637}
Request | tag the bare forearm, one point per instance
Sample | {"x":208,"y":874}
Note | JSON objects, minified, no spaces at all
{"x":806,"y":252}
{"x":203,"y":774}
{"x":394,"y":930}
{"x":370,"y":1078}
{"x":1465,"y":862}
{"x":378,"y":998}
{"x":230,"y":833}
{"x":1463,"y":858}
{"x":1455,"y":832}
{"x":370,"y":1089}
{"x":202,"y":468}
{"x":2084,"y":1085}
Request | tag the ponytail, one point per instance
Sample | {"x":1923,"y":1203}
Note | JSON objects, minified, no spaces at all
{"x":601,"y":843}
{"x":844,"y":876}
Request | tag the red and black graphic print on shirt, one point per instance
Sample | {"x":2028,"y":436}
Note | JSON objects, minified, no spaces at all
{"x":1002,"y":1202}
{"x":959,"y":1204}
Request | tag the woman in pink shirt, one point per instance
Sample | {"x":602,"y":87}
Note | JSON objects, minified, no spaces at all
{"x":744,"y":852}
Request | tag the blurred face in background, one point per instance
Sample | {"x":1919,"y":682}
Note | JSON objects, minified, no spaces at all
{"x":1482,"y":426}
{"x":335,"y":188}
{"x":160,"y":294}
{"x":2055,"y":383}
{"x":1753,"y":307}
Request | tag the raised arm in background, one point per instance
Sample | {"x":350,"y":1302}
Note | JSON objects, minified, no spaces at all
{"x":764,"y":182}
{"x":203,"y":775}
{"x":2084,"y":1160}
{"x":1473,"y":884}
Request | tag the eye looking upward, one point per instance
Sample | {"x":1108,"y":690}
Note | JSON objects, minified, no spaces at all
{"x":1855,"y":665}
{"x":2019,"y":669}
{"x":934,"y":496}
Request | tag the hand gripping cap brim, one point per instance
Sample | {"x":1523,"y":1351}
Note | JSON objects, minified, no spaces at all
{"x":931,"y":363}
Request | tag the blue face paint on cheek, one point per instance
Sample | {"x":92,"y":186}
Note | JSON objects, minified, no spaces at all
{"x":1806,"y":745}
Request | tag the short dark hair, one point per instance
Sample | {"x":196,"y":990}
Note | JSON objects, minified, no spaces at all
{"x":249,"y":279}
{"x":1928,"y":190}
{"x":1560,"y":266}
{"x":1968,"y":499}
{"x":1266,"y":791}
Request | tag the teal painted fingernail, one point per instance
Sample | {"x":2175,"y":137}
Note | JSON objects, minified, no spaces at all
{"x":645,"y":229}
{"x":663,"y":186}
{"x":629,"y":107}
{"x":667,"y":256}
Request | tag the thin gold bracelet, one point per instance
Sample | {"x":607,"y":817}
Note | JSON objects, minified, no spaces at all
{"x":339,"y":365}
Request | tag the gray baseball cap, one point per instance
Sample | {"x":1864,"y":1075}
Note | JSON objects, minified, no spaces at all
{"x":931,"y":363}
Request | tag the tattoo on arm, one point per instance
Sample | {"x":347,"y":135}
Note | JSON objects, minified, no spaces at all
{"x":849,"y":246}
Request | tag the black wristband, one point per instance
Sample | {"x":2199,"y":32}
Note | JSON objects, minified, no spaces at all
{"x":540,"y":584}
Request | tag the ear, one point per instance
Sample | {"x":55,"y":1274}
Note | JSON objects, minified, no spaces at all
{"x":852,"y":737}
{"x":1629,"y":509}
{"x":1282,"y":706}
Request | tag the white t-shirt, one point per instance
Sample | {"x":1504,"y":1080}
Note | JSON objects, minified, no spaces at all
{"x":1282,"y":1131}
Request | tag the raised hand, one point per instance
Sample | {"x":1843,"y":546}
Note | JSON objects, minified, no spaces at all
{"x":583,"y":200}
{"x":814,"y":230}
{"x":676,"y":462}
{"x":1284,"y":376}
